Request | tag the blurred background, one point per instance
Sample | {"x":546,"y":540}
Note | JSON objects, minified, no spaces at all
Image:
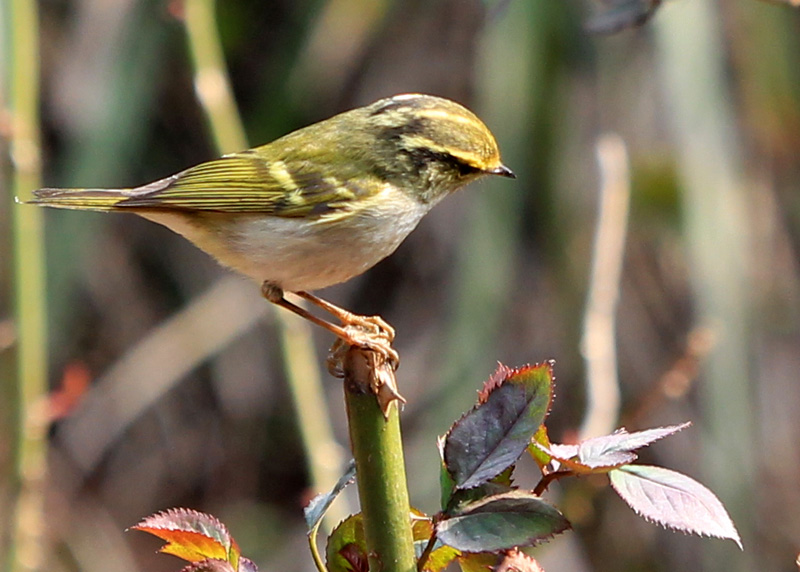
{"x":168,"y":377}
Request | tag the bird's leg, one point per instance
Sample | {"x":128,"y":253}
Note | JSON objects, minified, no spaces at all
{"x":369,"y":323}
{"x":370,"y":332}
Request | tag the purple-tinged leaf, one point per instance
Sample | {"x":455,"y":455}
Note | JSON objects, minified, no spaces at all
{"x":673,"y":500}
{"x":247,"y":565}
{"x":491,"y":437}
{"x":605,"y":450}
{"x":599,"y":454}
{"x":502,"y":522}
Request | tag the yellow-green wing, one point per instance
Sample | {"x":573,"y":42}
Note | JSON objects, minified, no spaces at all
{"x":246,"y":182}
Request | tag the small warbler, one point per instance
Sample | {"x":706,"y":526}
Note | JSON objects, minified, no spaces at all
{"x":319,"y":205}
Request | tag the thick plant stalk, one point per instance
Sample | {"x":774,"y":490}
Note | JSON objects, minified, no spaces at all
{"x":380,"y":467}
{"x":26,"y":552}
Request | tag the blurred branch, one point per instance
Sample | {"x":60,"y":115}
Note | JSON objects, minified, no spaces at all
{"x":324,"y":456}
{"x":151,"y":367}
{"x":599,"y":326}
{"x":27,"y":552}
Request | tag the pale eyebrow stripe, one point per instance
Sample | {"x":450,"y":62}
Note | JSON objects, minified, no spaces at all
{"x":444,"y":114}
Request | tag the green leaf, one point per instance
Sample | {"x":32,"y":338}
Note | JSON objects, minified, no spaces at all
{"x":502,"y":522}
{"x":673,"y":500}
{"x":498,"y":485}
{"x":491,"y":437}
{"x":320,"y":504}
{"x":540,"y":439}
{"x":446,"y":482}
{"x":346,"y":550}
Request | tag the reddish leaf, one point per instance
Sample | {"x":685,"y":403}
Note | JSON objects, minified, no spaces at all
{"x":491,"y":437}
{"x":74,"y":383}
{"x":191,"y":535}
{"x":673,"y":500}
{"x":346,"y":550}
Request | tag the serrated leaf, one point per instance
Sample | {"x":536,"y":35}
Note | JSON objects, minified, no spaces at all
{"x":673,"y":500}
{"x":320,"y":504}
{"x":517,"y":561}
{"x":502,"y":522}
{"x":346,"y":550}
{"x":491,"y":437}
{"x":600,"y":454}
{"x":191,"y":535}
{"x":607,"y":449}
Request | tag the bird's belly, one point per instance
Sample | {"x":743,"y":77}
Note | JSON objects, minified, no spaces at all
{"x":298,"y":254}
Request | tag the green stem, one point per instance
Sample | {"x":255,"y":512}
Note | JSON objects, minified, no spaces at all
{"x":27,"y":553}
{"x":380,"y":470}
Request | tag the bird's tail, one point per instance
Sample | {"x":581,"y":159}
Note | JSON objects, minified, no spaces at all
{"x":80,"y":199}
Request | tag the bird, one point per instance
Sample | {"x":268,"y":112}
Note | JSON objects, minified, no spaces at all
{"x":320,"y":205}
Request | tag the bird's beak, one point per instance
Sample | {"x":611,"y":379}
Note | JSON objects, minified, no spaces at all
{"x":503,"y":171}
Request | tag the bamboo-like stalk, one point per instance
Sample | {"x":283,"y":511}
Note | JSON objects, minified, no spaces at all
{"x":718,"y":234}
{"x":303,"y":376}
{"x":26,"y":552}
{"x":598,"y":344}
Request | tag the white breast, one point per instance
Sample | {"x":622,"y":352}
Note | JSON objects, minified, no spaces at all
{"x":298,"y":254}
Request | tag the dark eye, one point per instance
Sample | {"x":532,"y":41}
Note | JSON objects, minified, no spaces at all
{"x":465,"y":169}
